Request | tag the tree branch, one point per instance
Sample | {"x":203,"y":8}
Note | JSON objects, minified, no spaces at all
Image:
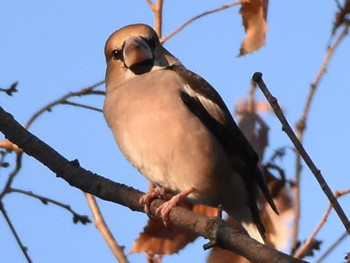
{"x":333,"y":246}
{"x":70,"y":171}
{"x":14,"y":232}
{"x":308,"y":242}
{"x":257,"y":77}
{"x":301,"y":126}
{"x":76,"y":217}
{"x":158,"y":17}
{"x":67,"y":102}
{"x":83,"y":92}
{"x":162,"y":40}
{"x":101,"y":225}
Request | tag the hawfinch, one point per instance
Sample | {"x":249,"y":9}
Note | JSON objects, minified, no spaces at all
{"x":174,"y":127}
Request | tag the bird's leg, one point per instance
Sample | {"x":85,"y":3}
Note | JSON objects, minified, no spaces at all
{"x":164,"y":210}
{"x":146,"y":199}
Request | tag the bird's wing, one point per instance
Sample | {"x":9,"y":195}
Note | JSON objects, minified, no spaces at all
{"x":205,"y":102}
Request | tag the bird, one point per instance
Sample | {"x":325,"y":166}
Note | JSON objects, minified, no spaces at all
{"x":175,"y":128}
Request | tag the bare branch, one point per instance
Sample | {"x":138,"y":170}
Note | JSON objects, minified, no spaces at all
{"x":338,"y":4}
{"x":158,"y":17}
{"x":162,"y":40}
{"x":82,"y":106}
{"x":333,"y":246}
{"x":301,"y":125}
{"x":210,"y":228}
{"x":63,"y":99}
{"x":151,"y":5}
{"x":296,"y":198}
{"x":257,"y":77}
{"x":329,"y":54}
{"x":323,"y":220}
{"x":157,"y":9}
{"x":14,"y":232}
{"x":12,"y":175}
{"x":76,"y":217}
{"x":101,"y":225}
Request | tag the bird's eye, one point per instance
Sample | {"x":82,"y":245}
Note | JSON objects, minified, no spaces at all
{"x":117,"y":54}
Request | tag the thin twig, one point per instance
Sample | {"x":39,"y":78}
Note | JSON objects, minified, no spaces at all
{"x":101,"y":225}
{"x":329,"y":54}
{"x":333,"y":246}
{"x":158,"y":17}
{"x":14,"y":232}
{"x":338,"y":5}
{"x":296,"y":198}
{"x":157,"y":9}
{"x":76,"y":217}
{"x":301,"y":125}
{"x":257,"y":77}
{"x":323,"y":220}
{"x":200,"y":16}
{"x":151,"y":5}
{"x":12,"y":175}
{"x":82,"y":106}
{"x":63,"y":99}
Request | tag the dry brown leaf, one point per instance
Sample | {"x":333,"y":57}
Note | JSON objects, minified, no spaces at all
{"x":276,"y":226}
{"x":260,"y":106}
{"x":255,"y":130}
{"x":254,"y":16}
{"x":157,"y":239}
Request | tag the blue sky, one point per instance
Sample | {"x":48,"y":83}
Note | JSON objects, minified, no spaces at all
{"x":52,"y":48}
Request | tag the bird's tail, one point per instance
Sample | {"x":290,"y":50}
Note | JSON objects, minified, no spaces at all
{"x":253,"y":231}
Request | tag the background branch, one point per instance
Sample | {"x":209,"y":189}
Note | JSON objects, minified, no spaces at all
{"x":323,"y":220}
{"x":14,"y":232}
{"x":257,"y":77}
{"x":301,"y":126}
{"x":200,"y":16}
{"x":76,"y":217}
{"x":333,"y":246}
{"x":63,"y":100}
{"x":101,"y":225}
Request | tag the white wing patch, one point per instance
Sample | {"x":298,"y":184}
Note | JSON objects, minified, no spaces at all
{"x":214,"y":110}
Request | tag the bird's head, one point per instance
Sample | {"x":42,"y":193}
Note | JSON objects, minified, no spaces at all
{"x":134,"y":50}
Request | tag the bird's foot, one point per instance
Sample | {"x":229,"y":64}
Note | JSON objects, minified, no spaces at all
{"x":164,"y":210}
{"x":147,"y":198}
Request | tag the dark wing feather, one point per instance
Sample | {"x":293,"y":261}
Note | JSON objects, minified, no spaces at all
{"x":224,"y":128}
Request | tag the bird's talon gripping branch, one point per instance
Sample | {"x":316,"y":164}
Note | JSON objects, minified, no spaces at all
{"x":164,"y":210}
{"x":147,"y":198}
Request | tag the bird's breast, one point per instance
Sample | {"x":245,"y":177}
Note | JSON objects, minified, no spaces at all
{"x":161,"y":137}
